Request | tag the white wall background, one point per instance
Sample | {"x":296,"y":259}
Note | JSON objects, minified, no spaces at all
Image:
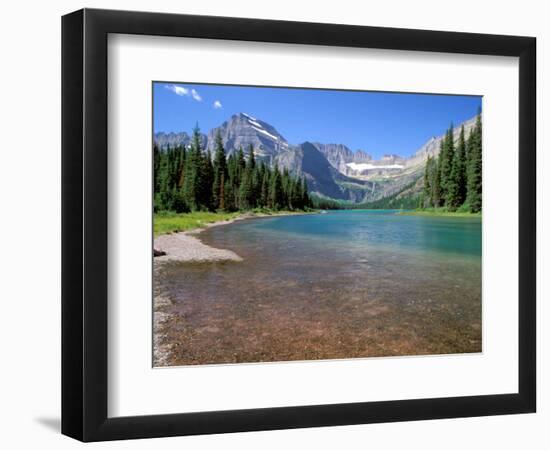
{"x":30,"y":192}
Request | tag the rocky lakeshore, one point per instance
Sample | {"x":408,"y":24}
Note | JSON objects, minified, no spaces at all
{"x":183,"y":247}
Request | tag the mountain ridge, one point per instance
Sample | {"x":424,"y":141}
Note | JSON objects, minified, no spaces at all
{"x":332,"y":170}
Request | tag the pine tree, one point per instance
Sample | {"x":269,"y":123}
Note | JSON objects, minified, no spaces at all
{"x":445,"y":161}
{"x":436,"y":184}
{"x":296,"y":199}
{"x":156,"y":168}
{"x":240,"y":163}
{"x":275,"y":190}
{"x":247,"y":197}
{"x":232,"y":171}
{"x":459,"y":166}
{"x":257,"y":177}
{"x":427,"y":197}
{"x":251,"y":161}
{"x":246,"y":191}
{"x":220,"y":174}
{"x":229,"y":197}
{"x":306,"y":201}
{"x":456,"y":181}
{"x":191,"y":188}
{"x":264,"y":190}
{"x":181,"y":167}
{"x":206,"y":181}
{"x":474,"y":170}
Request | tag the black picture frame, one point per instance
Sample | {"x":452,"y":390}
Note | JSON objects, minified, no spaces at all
{"x":84,"y":224}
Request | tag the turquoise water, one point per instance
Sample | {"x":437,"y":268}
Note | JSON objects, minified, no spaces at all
{"x":383,"y":228}
{"x":337,"y":285}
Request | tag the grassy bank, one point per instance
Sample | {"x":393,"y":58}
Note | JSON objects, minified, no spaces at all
{"x":168,"y":222}
{"x":439,"y":212}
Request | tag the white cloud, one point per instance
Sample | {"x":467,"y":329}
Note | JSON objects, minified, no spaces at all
{"x":196,"y":95}
{"x":178,"y":90}
{"x":217,"y":105}
{"x":184,"y":92}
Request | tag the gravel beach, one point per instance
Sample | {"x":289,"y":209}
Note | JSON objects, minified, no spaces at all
{"x":184,"y":247}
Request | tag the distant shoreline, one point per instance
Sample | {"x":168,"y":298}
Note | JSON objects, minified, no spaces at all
{"x":440,"y":214}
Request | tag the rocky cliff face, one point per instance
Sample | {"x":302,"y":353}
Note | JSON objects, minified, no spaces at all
{"x":338,"y":155}
{"x":332,"y":170}
{"x":359,"y":164}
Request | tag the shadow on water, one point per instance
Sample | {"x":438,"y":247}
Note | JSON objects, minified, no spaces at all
{"x":337,"y":285}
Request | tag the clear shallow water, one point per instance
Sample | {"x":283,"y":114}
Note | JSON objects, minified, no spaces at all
{"x":337,"y":285}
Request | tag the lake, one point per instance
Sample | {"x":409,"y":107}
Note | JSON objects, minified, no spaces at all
{"x":344,"y":284}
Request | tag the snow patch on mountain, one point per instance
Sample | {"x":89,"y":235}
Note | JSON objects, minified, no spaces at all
{"x":272,"y":136}
{"x":368,"y":166}
{"x":249,"y":117}
{"x":254,"y":123}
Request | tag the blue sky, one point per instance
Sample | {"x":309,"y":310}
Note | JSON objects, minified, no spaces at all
{"x":377,"y":122}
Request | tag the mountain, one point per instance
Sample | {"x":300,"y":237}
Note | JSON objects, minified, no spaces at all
{"x":242,"y":130}
{"x":322,"y":178}
{"x":332,"y":171}
{"x":339,"y":156}
{"x":163,"y":139}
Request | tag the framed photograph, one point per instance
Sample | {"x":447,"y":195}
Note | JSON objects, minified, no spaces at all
{"x":273,"y":224}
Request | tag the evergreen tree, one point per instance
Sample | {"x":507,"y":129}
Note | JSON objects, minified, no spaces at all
{"x":445,"y":161}
{"x":257,"y":177}
{"x":182,"y":155}
{"x":232,"y":171}
{"x":435,"y":183}
{"x":221,"y":197}
{"x":275,"y":190}
{"x":251,"y":161}
{"x":220,"y":174}
{"x":240,"y":163}
{"x":264,"y":190}
{"x":229,"y":197}
{"x":156,"y":168}
{"x":285,"y":183}
{"x":246,"y":191}
{"x":192,"y":189}
{"x":474,"y":170}
{"x":296,"y":199}
{"x":206,"y":181}
{"x":306,"y":201}
{"x":427,"y":199}
{"x":457,"y":187}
